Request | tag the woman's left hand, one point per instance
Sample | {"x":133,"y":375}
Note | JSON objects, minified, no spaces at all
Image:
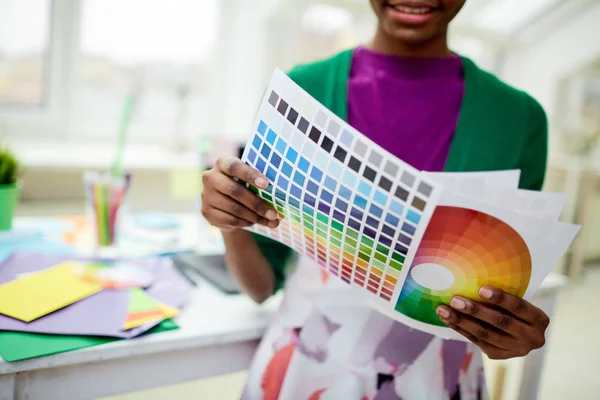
{"x":505,"y":326}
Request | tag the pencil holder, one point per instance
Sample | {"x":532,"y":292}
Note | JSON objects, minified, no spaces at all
{"x":105,"y":196}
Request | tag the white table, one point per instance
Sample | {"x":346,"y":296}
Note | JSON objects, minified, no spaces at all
{"x":218,"y":334}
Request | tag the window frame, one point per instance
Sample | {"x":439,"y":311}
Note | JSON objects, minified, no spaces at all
{"x":50,"y":118}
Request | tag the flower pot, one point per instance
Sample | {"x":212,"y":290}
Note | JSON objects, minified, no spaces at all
{"x":9,"y":197}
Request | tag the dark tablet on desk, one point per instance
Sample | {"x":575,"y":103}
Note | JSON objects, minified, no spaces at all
{"x":209,"y":267}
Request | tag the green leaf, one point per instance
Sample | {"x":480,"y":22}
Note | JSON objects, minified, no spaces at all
{"x":9,"y":167}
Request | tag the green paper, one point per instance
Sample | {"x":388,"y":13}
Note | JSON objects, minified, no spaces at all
{"x":140,"y":301}
{"x":15,"y":346}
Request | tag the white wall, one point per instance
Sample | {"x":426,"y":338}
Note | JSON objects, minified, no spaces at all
{"x":538,"y":68}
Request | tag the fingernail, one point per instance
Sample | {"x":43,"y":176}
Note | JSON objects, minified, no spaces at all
{"x":261,"y":183}
{"x":273,"y":224}
{"x":486,"y":293}
{"x":458,"y":304}
{"x":442,"y":312}
{"x":271,"y":215}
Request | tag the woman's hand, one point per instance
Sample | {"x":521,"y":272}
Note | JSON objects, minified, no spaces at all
{"x":505,"y":326}
{"x":228,"y":204}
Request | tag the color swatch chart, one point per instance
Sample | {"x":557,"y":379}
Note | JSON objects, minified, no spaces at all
{"x":410,"y":240}
{"x":346,"y":203}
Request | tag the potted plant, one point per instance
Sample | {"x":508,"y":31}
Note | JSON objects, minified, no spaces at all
{"x":9,"y":188}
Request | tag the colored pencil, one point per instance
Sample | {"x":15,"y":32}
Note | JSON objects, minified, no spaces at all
{"x":128,"y":105}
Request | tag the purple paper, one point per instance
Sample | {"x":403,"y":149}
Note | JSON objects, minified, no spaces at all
{"x":169,"y":287}
{"x":102,"y":314}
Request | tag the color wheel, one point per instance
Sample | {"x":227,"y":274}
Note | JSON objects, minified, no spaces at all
{"x":467,"y":249}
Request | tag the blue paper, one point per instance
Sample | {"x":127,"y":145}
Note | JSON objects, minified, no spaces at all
{"x":156,"y":221}
{"x":37,"y":245}
{"x":46,"y":225}
{"x":18,"y":236}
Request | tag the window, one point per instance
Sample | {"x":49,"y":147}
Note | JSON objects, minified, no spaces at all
{"x":24,"y":48}
{"x":159,"y":51}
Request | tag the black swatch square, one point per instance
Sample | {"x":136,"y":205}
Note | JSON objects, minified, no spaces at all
{"x":273,"y":99}
{"x":354,"y":164}
{"x":303,"y":125}
{"x":401,"y":249}
{"x":372,"y":222}
{"x":370,"y":173}
{"x":385,"y":184}
{"x":315,"y":134}
{"x":339,"y":216}
{"x":388,"y":230}
{"x":282,"y":108}
{"x":292,"y":116}
{"x":356,"y":213}
{"x":354,"y":224}
{"x":327,"y":144}
{"x":340,"y":154}
{"x":401,"y":193}
{"x":385,"y":241}
{"x":369,"y":232}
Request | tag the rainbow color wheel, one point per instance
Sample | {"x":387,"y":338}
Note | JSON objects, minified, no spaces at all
{"x":461,"y":251}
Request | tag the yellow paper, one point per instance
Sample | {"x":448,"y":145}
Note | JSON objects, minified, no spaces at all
{"x":186,"y":183}
{"x":167,"y":312}
{"x":41,"y":293}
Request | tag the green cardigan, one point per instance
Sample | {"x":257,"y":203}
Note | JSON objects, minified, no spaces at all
{"x":499,"y":128}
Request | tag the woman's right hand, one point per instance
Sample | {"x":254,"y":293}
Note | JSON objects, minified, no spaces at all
{"x":229,"y":205}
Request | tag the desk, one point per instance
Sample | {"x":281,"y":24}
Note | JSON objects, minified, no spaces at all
{"x":218,"y":335}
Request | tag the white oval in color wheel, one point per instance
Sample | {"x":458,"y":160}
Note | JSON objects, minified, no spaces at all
{"x":432,"y":276}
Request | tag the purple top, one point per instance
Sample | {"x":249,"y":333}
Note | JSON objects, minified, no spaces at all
{"x":408,"y":106}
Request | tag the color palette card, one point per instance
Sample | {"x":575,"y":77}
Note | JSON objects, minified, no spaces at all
{"x":40,"y":293}
{"x":407,"y":239}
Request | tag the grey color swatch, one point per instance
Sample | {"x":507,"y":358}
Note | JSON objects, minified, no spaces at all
{"x":360,"y":148}
{"x":408,"y":179}
{"x":391,"y":168}
{"x":321,"y":119}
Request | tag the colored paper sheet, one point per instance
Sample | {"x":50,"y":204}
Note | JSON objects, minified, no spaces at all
{"x":156,"y":221}
{"x":137,"y":319}
{"x":186,"y":183}
{"x":139,"y":301}
{"x":499,"y":188}
{"x":37,"y":245}
{"x":144,"y":309}
{"x":102,"y":314}
{"x":79,"y":225}
{"x":41,"y":293}
{"x":114,"y":275}
{"x":143,"y":314}
{"x":406,"y":239}
{"x":15,"y":346}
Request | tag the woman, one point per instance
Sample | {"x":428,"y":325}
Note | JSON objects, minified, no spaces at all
{"x":437,"y":111}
